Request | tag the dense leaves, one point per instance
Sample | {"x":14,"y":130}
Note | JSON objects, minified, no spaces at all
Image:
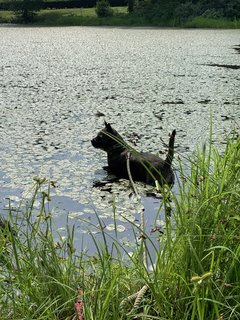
{"x":60,"y":4}
{"x":185,"y":9}
{"x":103,"y":9}
{"x":25,"y":10}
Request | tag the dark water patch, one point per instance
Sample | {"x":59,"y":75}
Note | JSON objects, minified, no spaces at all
{"x":187,"y":112}
{"x":110,"y":97}
{"x":173,"y":102}
{"x":237,"y":48}
{"x":225,"y":118}
{"x":228,"y":66}
{"x":99,"y":114}
{"x":205,"y":101}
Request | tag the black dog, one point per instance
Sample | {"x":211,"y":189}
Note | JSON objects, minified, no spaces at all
{"x":145,"y":167}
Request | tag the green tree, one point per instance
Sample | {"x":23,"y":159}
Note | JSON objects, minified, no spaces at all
{"x":187,"y":10}
{"x":103,"y":9}
{"x":182,"y":10}
{"x":130,"y":5}
{"x":25,"y":10}
{"x":218,"y":8}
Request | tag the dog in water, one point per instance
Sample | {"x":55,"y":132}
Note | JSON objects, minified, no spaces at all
{"x":144,"y":166}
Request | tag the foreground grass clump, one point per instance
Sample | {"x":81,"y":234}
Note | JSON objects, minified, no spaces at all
{"x":196,"y":274}
{"x":204,"y":256}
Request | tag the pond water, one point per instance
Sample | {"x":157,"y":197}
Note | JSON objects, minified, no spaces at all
{"x":54,"y":84}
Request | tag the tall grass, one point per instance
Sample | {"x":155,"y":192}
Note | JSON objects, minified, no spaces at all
{"x":6,"y":16}
{"x":196,"y":274}
{"x":220,"y":23}
{"x":203,"y":257}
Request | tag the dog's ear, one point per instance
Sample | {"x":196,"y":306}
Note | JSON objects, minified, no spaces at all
{"x":172,"y":134}
{"x":108,"y":127}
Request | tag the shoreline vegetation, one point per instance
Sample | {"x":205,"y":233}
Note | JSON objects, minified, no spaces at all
{"x":195,"y":274}
{"x":120,"y":18}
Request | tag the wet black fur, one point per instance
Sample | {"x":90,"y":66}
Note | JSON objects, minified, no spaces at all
{"x":144,"y":166}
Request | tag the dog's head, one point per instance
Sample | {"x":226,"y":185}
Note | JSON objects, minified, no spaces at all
{"x":107,"y":139}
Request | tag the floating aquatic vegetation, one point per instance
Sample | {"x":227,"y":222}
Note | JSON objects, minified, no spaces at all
{"x":50,"y":94}
{"x":75,"y":215}
{"x":118,"y":228}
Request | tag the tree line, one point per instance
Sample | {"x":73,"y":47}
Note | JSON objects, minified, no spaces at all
{"x":55,"y":4}
{"x":187,"y":9}
{"x":152,"y":10}
{"x":26,"y":10}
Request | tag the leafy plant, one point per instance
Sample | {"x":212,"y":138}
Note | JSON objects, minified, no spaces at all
{"x":103,"y":9}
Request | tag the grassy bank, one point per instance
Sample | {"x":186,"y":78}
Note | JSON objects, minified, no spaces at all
{"x":196,"y":274}
{"x":201,"y":22}
{"x":88,"y":17}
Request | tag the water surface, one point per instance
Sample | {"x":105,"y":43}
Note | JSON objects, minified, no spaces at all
{"x":147,"y":82}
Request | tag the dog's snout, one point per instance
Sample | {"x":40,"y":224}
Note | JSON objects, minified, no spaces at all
{"x":93,"y":141}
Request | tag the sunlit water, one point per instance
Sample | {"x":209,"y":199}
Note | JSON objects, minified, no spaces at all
{"x":56,"y":81}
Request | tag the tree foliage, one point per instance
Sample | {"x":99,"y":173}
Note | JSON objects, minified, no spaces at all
{"x":179,"y":11}
{"x":25,"y":10}
{"x":103,"y":9}
{"x":183,"y":10}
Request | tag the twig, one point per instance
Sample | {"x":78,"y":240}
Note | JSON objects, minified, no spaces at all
{"x":138,"y":296}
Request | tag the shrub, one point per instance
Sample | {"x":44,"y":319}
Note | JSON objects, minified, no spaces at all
{"x":103,"y":9}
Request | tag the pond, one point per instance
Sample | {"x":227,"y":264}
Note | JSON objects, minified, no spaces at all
{"x":57,"y":87}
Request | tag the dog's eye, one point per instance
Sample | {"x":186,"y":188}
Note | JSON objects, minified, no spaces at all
{"x":100,"y":136}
